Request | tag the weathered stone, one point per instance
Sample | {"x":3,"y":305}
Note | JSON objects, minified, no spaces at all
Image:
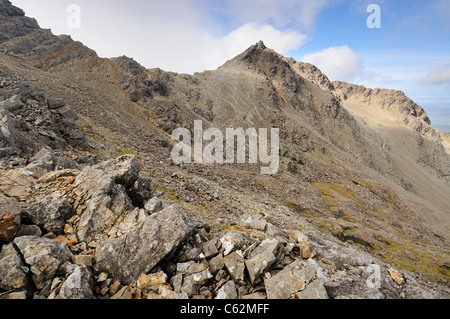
{"x":17,"y":183}
{"x":124,"y":169}
{"x":296,"y":236}
{"x":235,"y":265}
{"x":177,"y":282}
{"x":10,"y":218}
{"x":227,"y":291}
{"x":102,"y":211}
{"x":79,"y":285}
{"x":169,"y":294}
{"x":306,"y":250}
{"x":294,"y":278}
{"x":115,"y":287}
{"x":127,"y":257}
{"x":190,"y":267}
{"x":55,"y":103}
{"x":132,"y":220}
{"x":156,"y":279}
{"x":21,"y":295}
{"x":259,"y":264}
{"x":12,"y":104}
{"x":102,"y":277}
{"x":13,"y":272}
{"x":51,"y":213}
{"x":315,"y":290}
{"x":153,"y":205}
{"x":192,"y":254}
{"x":396,"y":276}
{"x":44,"y":256}
{"x":210,"y":248}
{"x":124,"y":293}
{"x":42,"y":162}
{"x":216,"y":263}
{"x":29,"y":230}
{"x":234,"y":240}
{"x":83,"y":260}
{"x":257,"y":222}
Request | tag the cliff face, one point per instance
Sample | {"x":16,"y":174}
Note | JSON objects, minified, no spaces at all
{"x":362,"y":172}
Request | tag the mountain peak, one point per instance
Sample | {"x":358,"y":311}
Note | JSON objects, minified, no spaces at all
{"x":8,"y":10}
{"x":260,"y":45}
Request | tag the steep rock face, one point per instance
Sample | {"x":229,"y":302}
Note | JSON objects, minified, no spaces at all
{"x":38,"y":46}
{"x":413,"y":115}
{"x":426,"y":140}
{"x":311,"y":73}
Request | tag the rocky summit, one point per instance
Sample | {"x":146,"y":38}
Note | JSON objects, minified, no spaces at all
{"x":93,"y":207}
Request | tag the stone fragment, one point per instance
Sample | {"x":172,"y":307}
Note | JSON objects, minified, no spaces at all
{"x":396,"y":276}
{"x":259,"y":264}
{"x":293,"y":278}
{"x":210,"y":248}
{"x":156,"y":279}
{"x":79,"y":285}
{"x":51,"y":213}
{"x":257,"y":222}
{"x":13,"y":271}
{"x":154,"y":205}
{"x":234,"y":240}
{"x":10,"y":218}
{"x":306,"y":250}
{"x":216,"y":264}
{"x":124,"y":293}
{"x":227,"y":291}
{"x":296,"y":236}
{"x":45,"y":256}
{"x":235,"y":265}
{"x":83,"y":260}
{"x":21,"y":295}
{"x":127,"y":257}
{"x":166,"y":293}
{"x":315,"y":290}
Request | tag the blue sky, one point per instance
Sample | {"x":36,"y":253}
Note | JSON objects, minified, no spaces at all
{"x":410,"y":52}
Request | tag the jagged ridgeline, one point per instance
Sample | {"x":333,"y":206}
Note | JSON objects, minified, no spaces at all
{"x":92,"y":206}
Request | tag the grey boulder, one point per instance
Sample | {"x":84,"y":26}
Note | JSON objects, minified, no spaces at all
{"x":135,"y":253}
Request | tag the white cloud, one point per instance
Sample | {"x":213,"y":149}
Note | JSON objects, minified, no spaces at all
{"x":181,"y":35}
{"x":281,"y":13}
{"x":439,"y":76}
{"x":338,"y":63}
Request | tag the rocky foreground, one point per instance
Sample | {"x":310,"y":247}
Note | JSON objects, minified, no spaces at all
{"x":101,"y":232}
{"x":83,"y":237}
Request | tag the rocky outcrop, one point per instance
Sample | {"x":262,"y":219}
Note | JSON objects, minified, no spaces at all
{"x":312,"y":74}
{"x":136,"y":253}
{"x":30,"y":120}
{"x":412,"y":114}
{"x":39,"y":46}
{"x":145,"y":254}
